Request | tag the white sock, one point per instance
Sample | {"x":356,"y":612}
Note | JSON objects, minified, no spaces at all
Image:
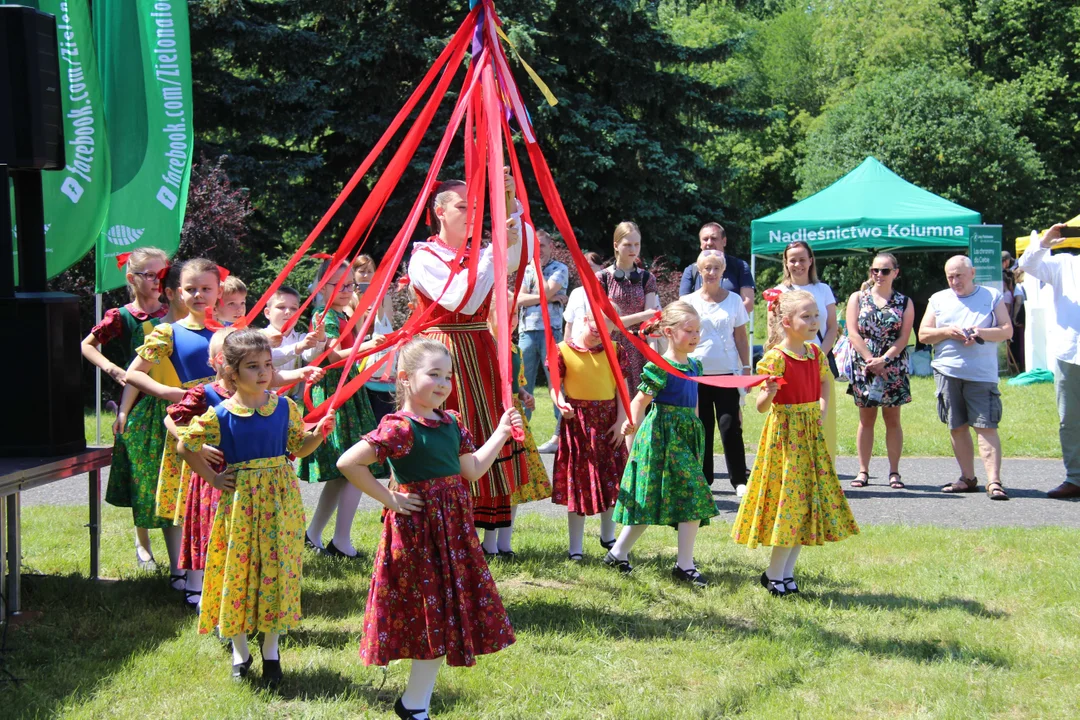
{"x":627,"y":538}
{"x":506,"y":534}
{"x":194,"y":580}
{"x":607,"y":525}
{"x":491,"y":541}
{"x":789,"y":566}
{"x":240,"y":652}
{"x":687,"y":535}
{"x":172,"y":544}
{"x":142,"y":544}
{"x":270,"y":645}
{"x":348,"y":501}
{"x":576,"y":525}
{"x":777,"y":561}
{"x":328,"y":502}
{"x":417,"y":695}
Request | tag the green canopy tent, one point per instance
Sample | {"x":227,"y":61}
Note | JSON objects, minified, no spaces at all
{"x":869,"y":209}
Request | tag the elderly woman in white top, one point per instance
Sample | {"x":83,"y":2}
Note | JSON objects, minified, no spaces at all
{"x":800,"y":273}
{"x":724,"y":349}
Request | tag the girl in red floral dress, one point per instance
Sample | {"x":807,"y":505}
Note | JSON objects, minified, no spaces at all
{"x":432,"y":597}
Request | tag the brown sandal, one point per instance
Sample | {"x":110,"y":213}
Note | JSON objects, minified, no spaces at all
{"x":963,"y":485}
{"x":861,"y":480}
{"x":995,"y":491}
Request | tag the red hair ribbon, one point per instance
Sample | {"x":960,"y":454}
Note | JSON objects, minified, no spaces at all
{"x":161,"y":275}
{"x":223,"y":273}
{"x":649,"y":325}
{"x":121,"y":259}
{"x":772,"y":296}
{"x":403,"y":282}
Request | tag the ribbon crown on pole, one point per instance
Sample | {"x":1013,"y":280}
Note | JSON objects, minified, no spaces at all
{"x":489,"y":100}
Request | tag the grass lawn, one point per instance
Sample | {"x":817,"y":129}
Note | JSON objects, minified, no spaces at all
{"x":898,"y":622}
{"x":1028,"y":428}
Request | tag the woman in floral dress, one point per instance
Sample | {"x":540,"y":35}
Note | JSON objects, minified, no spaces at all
{"x":632,"y":290}
{"x":879,"y":321}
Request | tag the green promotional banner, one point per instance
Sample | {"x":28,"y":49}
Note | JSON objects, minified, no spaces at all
{"x":77,"y":197}
{"x":985,"y":254}
{"x":144,"y":56}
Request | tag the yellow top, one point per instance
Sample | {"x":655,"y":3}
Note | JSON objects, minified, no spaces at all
{"x":588,"y":375}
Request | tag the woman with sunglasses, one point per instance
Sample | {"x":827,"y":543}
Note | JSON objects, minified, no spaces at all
{"x":632,"y":289}
{"x":879,"y":321}
{"x":800,"y":273}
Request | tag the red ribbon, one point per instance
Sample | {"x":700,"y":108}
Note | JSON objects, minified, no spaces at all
{"x":121,"y":259}
{"x":161,"y":275}
{"x":222,"y":273}
{"x":322,"y":256}
{"x":772,"y":296}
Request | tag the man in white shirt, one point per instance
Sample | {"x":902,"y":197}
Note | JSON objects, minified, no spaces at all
{"x":1062,"y":272}
{"x":964,"y":324}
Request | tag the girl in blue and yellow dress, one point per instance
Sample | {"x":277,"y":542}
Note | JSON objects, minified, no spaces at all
{"x":793,"y":497}
{"x":663,"y":483}
{"x":183,"y":347}
{"x":432,"y":597}
{"x":255,"y":557}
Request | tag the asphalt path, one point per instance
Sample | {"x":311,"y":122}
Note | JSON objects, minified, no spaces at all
{"x":921,"y":503}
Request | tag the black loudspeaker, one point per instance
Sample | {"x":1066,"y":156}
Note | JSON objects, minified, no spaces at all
{"x":31,"y":116}
{"x":43,"y":395}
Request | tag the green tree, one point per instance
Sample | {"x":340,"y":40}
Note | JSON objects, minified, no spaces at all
{"x":936,"y":131}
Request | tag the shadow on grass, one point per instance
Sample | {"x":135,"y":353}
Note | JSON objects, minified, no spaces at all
{"x":924,"y":651}
{"x":888,"y":601}
{"x":320,"y":683}
{"x":87,"y":631}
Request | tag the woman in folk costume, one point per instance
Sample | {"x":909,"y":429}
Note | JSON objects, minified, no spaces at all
{"x":461,"y":317}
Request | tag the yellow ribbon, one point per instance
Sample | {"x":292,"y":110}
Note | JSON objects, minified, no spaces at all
{"x":548,"y":95}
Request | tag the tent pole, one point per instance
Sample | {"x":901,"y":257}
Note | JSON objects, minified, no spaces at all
{"x":97,"y":372}
{"x":753,"y":276}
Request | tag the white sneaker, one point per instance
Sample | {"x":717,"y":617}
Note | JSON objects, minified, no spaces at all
{"x":740,"y":490}
{"x":550,"y":446}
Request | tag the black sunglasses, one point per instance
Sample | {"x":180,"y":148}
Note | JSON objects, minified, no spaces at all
{"x":882,"y":271}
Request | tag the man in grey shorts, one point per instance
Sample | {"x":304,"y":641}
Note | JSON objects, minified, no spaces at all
{"x":964,"y":324}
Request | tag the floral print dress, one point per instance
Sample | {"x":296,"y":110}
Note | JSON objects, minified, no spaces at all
{"x":880,"y":327}
{"x":629,"y":294}
{"x":794,"y":496}
{"x":255,"y":557}
{"x":663,"y":483}
{"x":431,"y":591}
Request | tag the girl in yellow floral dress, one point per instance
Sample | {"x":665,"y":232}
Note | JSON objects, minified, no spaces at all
{"x":794,"y":497}
{"x":254,"y":560}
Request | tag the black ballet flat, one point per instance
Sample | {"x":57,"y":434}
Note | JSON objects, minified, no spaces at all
{"x":309,"y":544}
{"x":405,"y":713}
{"x":181,"y":578}
{"x":623,"y":566}
{"x":240,"y":670}
{"x":607,"y":544}
{"x":690,"y":577}
{"x":271,"y":671}
{"x":776,"y":588}
{"x":790,"y":587}
{"x":507,"y":555}
{"x":575,"y":557}
{"x":332,"y":551}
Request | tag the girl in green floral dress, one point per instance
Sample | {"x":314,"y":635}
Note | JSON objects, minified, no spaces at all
{"x":355,"y":418}
{"x":663,"y":483}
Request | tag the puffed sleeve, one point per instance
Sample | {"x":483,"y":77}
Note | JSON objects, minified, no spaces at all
{"x":823,"y":363}
{"x":392,"y":439}
{"x":772,"y":364}
{"x":696,"y":366}
{"x":653,"y":379}
{"x":158,"y":345}
{"x":110,"y":327}
{"x":562,"y":365}
{"x":203,"y":430}
{"x":193,"y":405}
{"x":297,"y":433}
{"x":650,"y":285}
{"x":468,"y":445}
